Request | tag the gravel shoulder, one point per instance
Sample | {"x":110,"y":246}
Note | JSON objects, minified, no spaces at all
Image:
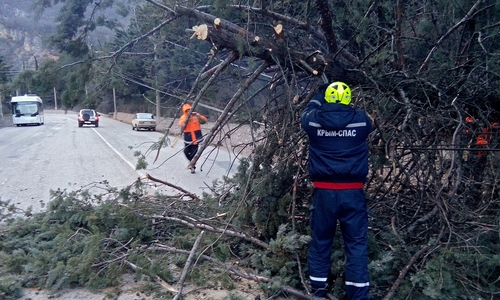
{"x":136,"y":290}
{"x":6,"y":121}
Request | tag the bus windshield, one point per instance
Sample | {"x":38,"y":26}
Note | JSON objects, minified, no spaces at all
{"x":27,"y":108}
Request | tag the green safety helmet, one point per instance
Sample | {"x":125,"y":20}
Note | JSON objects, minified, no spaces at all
{"x":338,"y":92}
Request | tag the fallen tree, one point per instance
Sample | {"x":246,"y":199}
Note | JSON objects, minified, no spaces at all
{"x":418,"y":70}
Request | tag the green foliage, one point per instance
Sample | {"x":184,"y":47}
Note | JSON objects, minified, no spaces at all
{"x":287,"y":241}
{"x":416,"y":104}
{"x":10,"y":287}
{"x":4,"y":71}
{"x":454,"y":272}
{"x":25,"y":82}
{"x":74,"y":23}
{"x":142,"y":162}
{"x":267,"y":200}
{"x":280,"y":260}
{"x":57,"y":249}
{"x":75,"y":92}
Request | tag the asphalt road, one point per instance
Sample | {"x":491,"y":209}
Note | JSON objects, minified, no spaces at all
{"x":59,"y":155}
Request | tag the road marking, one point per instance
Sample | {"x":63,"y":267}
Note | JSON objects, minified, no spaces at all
{"x":119,"y":154}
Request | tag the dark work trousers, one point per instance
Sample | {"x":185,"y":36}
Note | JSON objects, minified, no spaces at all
{"x":190,"y":151}
{"x":349,"y":208}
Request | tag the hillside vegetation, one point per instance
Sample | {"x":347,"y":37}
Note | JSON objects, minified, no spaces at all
{"x":426,"y":72}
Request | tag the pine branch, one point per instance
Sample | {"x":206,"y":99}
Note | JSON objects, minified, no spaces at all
{"x":403,"y":272}
{"x":199,"y":225}
{"x":467,"y":16}
{"x":156,"y":278}
{"x":238,"y":272}
{"x":195,"y":84}
{"x":223,"y":118}
{"x":188,"y":265}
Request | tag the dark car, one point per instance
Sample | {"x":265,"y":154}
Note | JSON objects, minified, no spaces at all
{"x":88,"y":116}
{"x":144,"y":121}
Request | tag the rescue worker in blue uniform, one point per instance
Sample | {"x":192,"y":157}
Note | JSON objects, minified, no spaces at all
{"x":338,"y":167}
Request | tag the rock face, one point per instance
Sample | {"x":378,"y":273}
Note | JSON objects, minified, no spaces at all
{"x":22,"y":34}
{"x":24,"y":31}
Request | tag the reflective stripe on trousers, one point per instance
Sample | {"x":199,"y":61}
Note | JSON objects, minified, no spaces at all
{"x":349,"y":208}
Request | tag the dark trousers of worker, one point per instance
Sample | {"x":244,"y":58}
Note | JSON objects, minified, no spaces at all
{"x":190,"y":150}
{"x":349,"y":208}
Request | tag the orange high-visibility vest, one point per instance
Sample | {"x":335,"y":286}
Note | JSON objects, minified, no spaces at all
{"x":192,"y":131}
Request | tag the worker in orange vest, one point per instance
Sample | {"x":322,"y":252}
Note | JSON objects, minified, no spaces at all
{"x":192,"y":132}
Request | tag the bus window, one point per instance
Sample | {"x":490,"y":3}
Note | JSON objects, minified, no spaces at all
{"x":25,"y":108}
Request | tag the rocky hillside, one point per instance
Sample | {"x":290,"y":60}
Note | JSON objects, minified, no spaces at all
{"x":22,"y":34}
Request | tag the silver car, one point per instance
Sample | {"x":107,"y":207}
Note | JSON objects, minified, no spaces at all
{"x":144,"y":121}
{"x":88,"y":117}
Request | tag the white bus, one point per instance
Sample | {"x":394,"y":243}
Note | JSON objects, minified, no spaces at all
{"x":27,"y":109}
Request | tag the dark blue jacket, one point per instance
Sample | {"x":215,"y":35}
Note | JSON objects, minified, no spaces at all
{"x":338,"y":148}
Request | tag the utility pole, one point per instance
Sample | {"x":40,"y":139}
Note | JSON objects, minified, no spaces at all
{"x":114,"y":103}
{"x":157,"y":89}
{"x":1,"y":108}
{"x":158,"y":112}
{"x":55,"y":98}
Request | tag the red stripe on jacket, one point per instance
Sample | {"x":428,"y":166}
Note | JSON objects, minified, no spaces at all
{"x":338,"y":185}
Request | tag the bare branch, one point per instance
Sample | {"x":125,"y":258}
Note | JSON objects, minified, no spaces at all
{"x":164,"y":7}
{"x":228,"y":232}
{"x":238,"y":272}
{"x":188,"y":264}
{"x":403,"y":272}
{"x":223,"y":118}
{"x":148,"y":176}
{"x":156,"y":278}
{"x":115,"y":54}
{"x":467,"y":16}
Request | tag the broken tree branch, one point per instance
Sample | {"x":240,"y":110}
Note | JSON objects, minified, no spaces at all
{"x":223,"y":118}
{"x":403,"y":272}
{"x":323,"y":7}
{"x":467,"y":16}
{"x":148,"y":176}
{"x":236,"y":271}
{"x":188,"y":264}
{"x":197,"y":224}
{"x":156,"y":278}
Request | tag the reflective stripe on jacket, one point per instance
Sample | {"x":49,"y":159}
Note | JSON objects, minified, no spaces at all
{"x":338,"y":148}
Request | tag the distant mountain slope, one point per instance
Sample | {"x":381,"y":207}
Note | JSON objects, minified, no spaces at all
{"x":23,"y":36}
